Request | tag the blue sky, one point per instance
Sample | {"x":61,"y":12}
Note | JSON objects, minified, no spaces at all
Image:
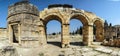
{"x":107,"y":9}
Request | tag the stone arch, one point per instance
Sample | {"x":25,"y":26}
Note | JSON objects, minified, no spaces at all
{"x":82,"y":18}
{"x":48,"y":18}
{"x":85,"y":22}
{"x":99,"y":25}
{"x":64,"y":18}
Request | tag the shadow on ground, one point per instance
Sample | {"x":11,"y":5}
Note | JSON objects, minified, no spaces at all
{"x":77,"y":43}
{"x":71,"y":43}
{"x":55,"y":43}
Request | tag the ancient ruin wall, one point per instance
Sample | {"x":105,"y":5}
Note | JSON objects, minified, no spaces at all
{"x":3,"y":33}
{"x":25,"y":16}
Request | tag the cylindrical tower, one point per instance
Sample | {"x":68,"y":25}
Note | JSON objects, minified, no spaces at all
{"x":22,"y":23}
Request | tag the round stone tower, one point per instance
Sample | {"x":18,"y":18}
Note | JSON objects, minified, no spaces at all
{"x":22,"y":23}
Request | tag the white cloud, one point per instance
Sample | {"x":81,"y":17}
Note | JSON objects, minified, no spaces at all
{"x":115,"y":0}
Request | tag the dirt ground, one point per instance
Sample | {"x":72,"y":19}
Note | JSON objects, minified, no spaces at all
{"x":53,"y":48}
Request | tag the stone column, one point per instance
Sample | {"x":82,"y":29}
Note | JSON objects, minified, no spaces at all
{"x":90,"y":35}
{"x":87,"y":34}
{"x":19,"y":33}
{"x":65,"y":35}
{"x":10,"y":33}
{"x":42,"y":38}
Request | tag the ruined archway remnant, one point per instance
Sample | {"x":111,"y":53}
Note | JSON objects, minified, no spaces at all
{"x":88,"y":19}
{"x":99,"y":30}
{"x":31,"y":24}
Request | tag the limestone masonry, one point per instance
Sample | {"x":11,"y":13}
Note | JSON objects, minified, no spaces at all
{"x":26,"y":25}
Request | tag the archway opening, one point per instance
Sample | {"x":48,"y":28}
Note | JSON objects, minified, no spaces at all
{"x":15,"y":33}
{"x":53,"y":30}
{"x":83,"y":36}
{"x":98,"y":31}
{"x":76,"y":35}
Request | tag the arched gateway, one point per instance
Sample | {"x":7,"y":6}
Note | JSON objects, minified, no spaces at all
{"x":65,"y":14}
{"x":34,"y":32}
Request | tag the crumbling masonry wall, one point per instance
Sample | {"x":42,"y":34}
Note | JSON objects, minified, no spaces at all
{"x":3,"y":33}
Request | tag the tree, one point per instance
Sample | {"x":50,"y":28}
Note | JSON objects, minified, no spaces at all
{"x":73,"y":33}
{"x":110,"y":24}
{"x":77,"y":31}
{"x":59,"y":33}
{"x":54,"y":33}
{"x":106,"y":23}
{"x":70,"y":33}
{"x":80,"y":30}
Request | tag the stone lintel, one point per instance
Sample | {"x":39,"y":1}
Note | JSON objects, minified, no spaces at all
{"x":14,"y":22}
